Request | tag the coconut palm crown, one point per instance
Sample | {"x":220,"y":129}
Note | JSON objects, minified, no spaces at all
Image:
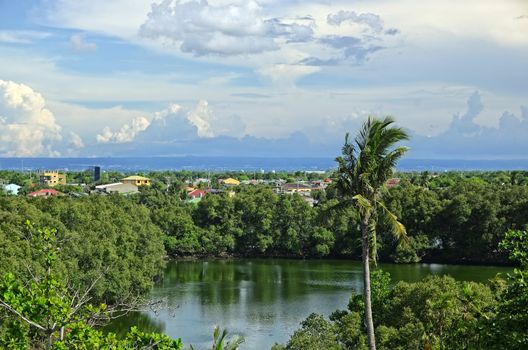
{"x":365,"y":166}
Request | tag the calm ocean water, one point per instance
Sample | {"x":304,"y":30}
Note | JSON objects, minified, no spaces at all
{"x":244,"y":163}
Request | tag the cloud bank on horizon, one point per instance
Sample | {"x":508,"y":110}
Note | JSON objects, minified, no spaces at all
{"x":261,"y":77}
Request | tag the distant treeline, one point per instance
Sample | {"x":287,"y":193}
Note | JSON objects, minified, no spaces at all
{"x":451,"y":217}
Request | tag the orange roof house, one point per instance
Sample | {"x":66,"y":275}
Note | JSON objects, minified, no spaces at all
{"x":48,"y":192}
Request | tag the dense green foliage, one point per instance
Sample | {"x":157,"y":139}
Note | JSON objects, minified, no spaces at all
{"x":510,"y":326}
{"x":48,"y":303}
{"x":255,"y":221}
{"x":435,"y":313}
{"x":457,"y":218}
{"x":112,"y":236}
{"x":46,"y":312}
{"x":460,"y":222}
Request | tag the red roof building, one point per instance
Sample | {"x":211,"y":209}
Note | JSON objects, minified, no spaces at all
{"x":48,"y":192}
{"x":196,"y":194}
{"x":393,"y":182}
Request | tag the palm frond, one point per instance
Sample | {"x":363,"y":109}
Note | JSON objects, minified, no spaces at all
{"x":397,"y":228}
{"x":362,"y":138}
{"x":363,"y":204}
{"x":388,"y":137}
{"x":234,"y":343}
{"x":219,"y":339}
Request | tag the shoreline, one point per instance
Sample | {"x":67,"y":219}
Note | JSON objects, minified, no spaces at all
{"x":169,"y":259}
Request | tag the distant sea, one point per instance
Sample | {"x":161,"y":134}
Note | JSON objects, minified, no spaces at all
{"x":249,"y":164}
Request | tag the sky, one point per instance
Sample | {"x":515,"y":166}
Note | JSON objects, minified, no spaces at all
{"x":283,"y":78}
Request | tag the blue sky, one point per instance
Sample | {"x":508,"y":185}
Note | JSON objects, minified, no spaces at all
{"x":268,"y":77}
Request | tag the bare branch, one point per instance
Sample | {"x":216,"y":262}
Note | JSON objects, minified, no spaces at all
{"x":25,"y":319}
{"x":31,"y":273}
{"x":151,"y":346}
{"x":84,"y":298}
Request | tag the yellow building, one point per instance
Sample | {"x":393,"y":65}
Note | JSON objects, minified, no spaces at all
{"x":230,"y":182}
{"x":292,"y":188}
{"x":52,"y":178}
{"x":136,"y":180}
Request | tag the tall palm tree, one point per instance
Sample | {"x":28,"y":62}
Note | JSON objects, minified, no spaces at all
{"x":364,"y":167}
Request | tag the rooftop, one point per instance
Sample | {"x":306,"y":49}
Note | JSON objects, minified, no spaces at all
{"x":296,"y":185}
{"x":136,"y":177}
{"x":102,"y":187}
{"x":45,"y":192}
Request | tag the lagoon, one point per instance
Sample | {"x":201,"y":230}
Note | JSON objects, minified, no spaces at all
{"x":265,"y":299}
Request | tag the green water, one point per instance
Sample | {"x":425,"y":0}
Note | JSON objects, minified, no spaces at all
{"x":264,"y":300}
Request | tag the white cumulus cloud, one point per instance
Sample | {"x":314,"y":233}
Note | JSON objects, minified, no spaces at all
{"x":202,"y":28}
{"x":27,"y":127}
{"x":173,"y":124}
{"x":76,"y":141}
{"x":173,"y":108}
{"x":200,"y":117}
{"x":370,"y":20}
{"x":127,"y":133}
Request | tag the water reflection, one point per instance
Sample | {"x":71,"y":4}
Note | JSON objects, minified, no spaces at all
{"x":143,"y":321}
{"x":265,"y":300}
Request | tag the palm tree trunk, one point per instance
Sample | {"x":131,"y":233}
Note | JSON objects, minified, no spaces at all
{"x":366,"y":281}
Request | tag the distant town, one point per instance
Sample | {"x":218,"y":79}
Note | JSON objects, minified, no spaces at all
{"x":189,"y":185}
